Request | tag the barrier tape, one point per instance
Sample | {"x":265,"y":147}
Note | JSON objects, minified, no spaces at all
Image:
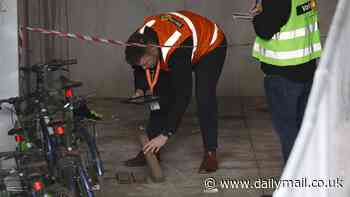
{"x":94,"y":39}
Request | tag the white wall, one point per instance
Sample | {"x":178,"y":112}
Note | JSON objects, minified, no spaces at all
{"x":8,"y":66}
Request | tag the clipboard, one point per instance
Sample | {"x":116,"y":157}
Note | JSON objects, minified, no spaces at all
{"x":140,"y":100}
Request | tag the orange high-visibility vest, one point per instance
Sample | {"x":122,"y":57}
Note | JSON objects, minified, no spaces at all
{"x":174,"y":28}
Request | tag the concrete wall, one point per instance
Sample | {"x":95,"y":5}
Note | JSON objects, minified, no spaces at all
{"x":102,"y":68}
{"x":8,"y":67}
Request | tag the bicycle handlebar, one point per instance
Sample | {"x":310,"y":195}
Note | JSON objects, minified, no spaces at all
{"x":12,"y":100}
{"x":51,"y":66}
{"x":17,"y":100}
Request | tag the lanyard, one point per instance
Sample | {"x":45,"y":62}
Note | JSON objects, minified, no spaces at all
{"x":152,"y":78}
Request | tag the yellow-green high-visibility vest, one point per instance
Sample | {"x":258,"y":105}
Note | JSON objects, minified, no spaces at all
{"x":298,"y":41}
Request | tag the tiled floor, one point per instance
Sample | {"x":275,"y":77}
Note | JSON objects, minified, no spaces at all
{"x":249,"y":149}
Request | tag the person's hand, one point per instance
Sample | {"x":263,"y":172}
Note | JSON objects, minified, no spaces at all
{"x":155,"y":144}
{"x":138,"y":93}
{"x":254,"y":9}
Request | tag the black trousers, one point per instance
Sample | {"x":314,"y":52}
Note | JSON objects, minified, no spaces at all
{"x":287,"y":102}
{"x":207,"y":72}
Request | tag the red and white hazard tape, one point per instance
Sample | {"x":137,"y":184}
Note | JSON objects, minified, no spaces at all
{"x":79,"y":36}
{"x":94,"y":39}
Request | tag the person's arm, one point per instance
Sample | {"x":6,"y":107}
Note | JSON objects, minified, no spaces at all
{"x":181,"y":78}
{"x":140,"y":81}
{"x":275,"y":14}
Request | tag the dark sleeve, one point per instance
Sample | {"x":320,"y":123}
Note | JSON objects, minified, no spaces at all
{"x":181,"y":79}
{"x":275,"y":14}
{"x":140,"y":81}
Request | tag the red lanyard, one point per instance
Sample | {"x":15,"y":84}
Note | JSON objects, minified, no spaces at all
{"x":152,"y":78}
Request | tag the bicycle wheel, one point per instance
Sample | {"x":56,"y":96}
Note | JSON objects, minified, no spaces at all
{"x":70,"y":176}
{"x":84,"y":183}
{"x":75,"y":177}
{"x":57,"y":190}
{"x":91,"y":160}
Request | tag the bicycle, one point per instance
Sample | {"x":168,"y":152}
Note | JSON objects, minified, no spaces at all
{"x":71,"y":134}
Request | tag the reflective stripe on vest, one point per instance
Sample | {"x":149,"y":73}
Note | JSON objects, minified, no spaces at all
{"x":297,"y":42}
{"x":192,"y":28}
{"x":148,"y":24}
{"x":170,"y":42}
{"x":215,"y":34}
{"x":296,"y":33}
{"x":285,"y":55}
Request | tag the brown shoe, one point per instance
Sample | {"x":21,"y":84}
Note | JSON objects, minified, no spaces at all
{"x":139,"y":160}
{"x":209,"y":163}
